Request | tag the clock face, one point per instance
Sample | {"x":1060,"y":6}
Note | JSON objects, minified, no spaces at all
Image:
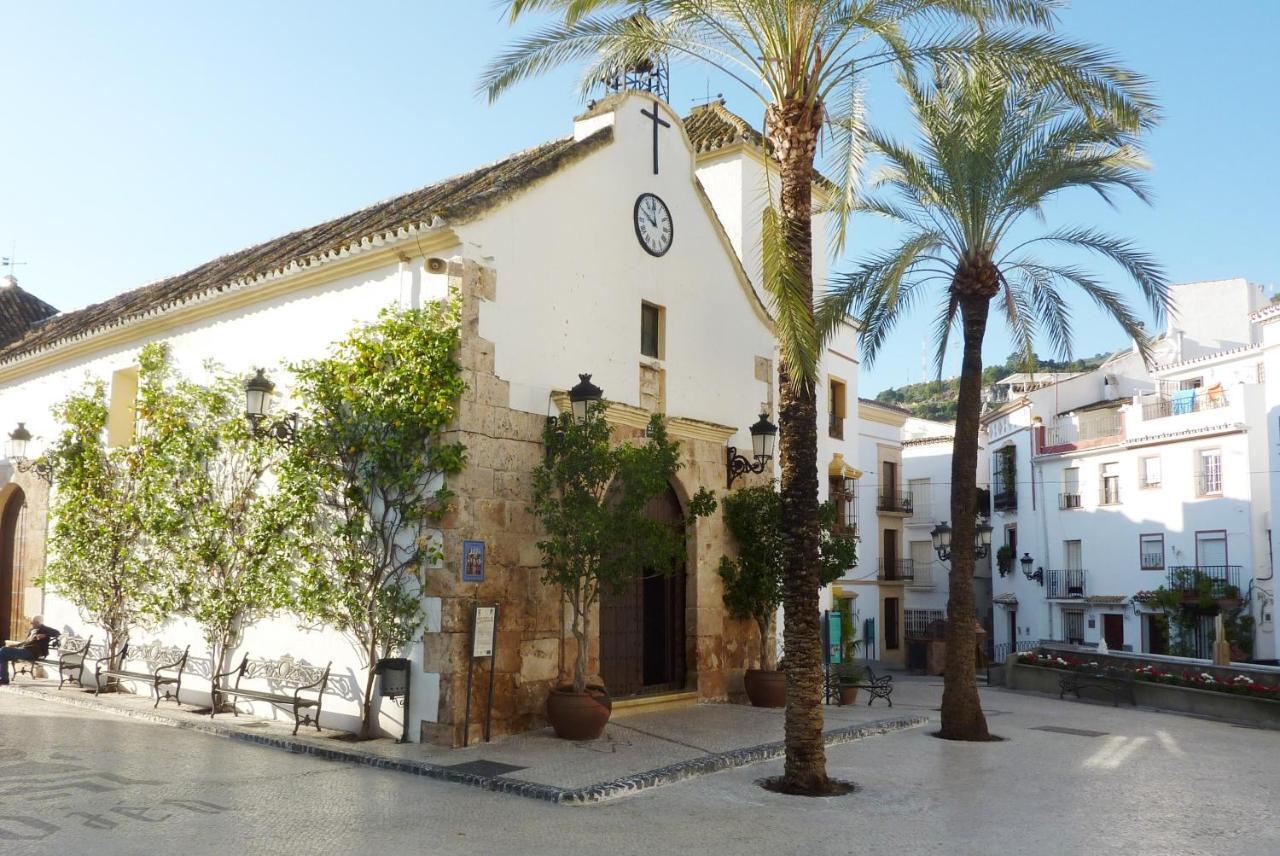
{"x":653,"y":224}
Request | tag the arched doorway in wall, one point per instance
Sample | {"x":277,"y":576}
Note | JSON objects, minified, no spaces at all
{"x":642,"y":627}
{"x":12,"y":517}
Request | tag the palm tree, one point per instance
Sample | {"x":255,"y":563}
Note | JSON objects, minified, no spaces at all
{"x":805,"y":60}
{"x":991,"y":154}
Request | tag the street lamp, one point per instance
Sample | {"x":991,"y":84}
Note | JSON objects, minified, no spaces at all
{"x":582,"y":396}
{"x":257,"y":394}
{"x":763,"y":436}
{"x":1037,"y":576}
{"x":19,"y":440}
{"x":941,"y":535}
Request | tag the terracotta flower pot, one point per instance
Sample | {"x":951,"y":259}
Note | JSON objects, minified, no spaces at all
{"x":848,"y":695}
{"x":579,"y":716}
{"x":766,"y":687}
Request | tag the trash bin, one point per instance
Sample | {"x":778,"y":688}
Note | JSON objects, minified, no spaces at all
{"x":394,"y":684}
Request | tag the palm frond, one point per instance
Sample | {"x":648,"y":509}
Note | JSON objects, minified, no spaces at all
{"x":848,"y":126}
{"x":1141,"y":266}
{"x":788,"y":285}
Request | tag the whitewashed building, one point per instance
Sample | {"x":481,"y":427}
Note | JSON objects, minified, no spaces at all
{"x":1111,"y":484}
{"x":629,"y":249}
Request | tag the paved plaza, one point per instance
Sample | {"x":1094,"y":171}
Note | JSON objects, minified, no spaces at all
{"x":1071,"y":778}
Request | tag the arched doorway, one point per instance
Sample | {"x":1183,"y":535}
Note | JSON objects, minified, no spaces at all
{"x":12,"y":518}
{"x":642,"y":638}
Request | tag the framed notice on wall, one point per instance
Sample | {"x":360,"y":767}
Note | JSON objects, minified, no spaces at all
{"x":486,"y":626}
{"x":473,"y":561}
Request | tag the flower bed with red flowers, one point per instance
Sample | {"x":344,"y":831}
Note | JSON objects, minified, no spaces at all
{"x":1237,"y":685}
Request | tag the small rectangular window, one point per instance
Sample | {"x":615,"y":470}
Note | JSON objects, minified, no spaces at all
{"x":1151,"y":550}
{"x":1110,"y":484}
{"x":1209,"y":472}
{"x":1149,"y":469}
{"x":651,"y":330}
{"x":122,"y":417}
{"x":836,"y":409}
{"x":1070,"y":497}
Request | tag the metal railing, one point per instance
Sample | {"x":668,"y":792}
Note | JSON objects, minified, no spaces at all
{"x":1064,"y":583}
{"x":917,"y":621}
{"x":1189,"y":401}
{"x":896,"y":501}
{"x":1209,"y":484}
{"x":1005,"y":500}
{"x":1068,"y":500}
{"x":896,"y":569}
{"x":1152,"y":561}
{"x":922,"y":574}
{"x":1084,"y":427}
{"x":1214,"y":580}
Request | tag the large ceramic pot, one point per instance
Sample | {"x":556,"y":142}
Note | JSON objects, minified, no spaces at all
{"x":766,"y":687}
{"x":579,"y":716}
{"x":848,"y":695}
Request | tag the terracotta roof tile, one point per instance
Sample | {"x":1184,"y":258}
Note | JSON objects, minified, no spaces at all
{"x":455,"y":199}
{"x":713,"y":126}
{"x":19,"y":311}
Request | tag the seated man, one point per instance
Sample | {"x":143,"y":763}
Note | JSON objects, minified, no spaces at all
{"x":35,"y":647}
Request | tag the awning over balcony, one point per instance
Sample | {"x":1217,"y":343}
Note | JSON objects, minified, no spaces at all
{"x":1006,"y":599}
{"x":1107,"y":599}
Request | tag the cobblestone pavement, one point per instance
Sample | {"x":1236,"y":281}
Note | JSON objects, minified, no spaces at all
{"x":1107,"y":780}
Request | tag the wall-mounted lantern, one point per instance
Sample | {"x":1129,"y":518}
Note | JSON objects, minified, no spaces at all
{"x":764,"y":434}
{"x":581,"y":398}
{"x":941,"y":535}
{"x":19,"y":440}
{"x":257,"y":395}
{"x":1032,"y":576}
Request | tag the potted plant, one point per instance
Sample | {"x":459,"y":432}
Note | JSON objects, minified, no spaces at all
{"x":753,"y":579}
{"x":1004,"y":559}
{"x":849,"y":675}
{"x":590,"y":496}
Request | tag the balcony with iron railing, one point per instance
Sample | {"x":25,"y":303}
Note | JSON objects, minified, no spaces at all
{"x":1005,"y":500}
{"x":1075,"y":431}
{"x":1069,"y":500}
{"x":1183,"y":401}
{"x":1063,"y":584}
{"x":895,"y":502}
{"x":1152,"y":561}
{"x":896,"y":570}
{"x":922,"y":574}
{"x":1216,"y":581}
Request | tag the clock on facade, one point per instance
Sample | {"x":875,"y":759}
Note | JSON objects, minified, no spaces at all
{"x":653,"y":224}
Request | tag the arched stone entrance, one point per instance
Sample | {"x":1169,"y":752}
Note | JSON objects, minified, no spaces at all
{"x":642,"y":627}
{"x":12,"y":517}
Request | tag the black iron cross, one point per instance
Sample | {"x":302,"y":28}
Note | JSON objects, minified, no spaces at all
{"x":657,"y":120}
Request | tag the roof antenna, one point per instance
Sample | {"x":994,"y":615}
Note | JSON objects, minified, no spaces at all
{"x":708,"y":98}
{"x":11,"y":261}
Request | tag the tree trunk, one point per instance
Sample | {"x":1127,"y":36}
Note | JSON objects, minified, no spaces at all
{"x":793,"y":129}
{"x":763,"y":624}
{"x":366,"y":708}
{"x":962,"y":717}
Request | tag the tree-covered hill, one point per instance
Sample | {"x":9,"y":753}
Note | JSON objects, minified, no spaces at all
{"x":937,"y":399}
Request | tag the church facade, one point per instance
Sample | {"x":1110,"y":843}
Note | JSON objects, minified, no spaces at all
{"x":628,"y":250}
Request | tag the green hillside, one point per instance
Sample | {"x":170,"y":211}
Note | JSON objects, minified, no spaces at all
{"x":937,"y":399}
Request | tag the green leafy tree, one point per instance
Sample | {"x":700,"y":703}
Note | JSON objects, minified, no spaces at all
{"x":992,"y":154}
{"x":223,"y":538}
{"x":806,"y":60}
{"x":98,"y":557}
{"x":753,"y":580}
{"x":370,"y":468}
{"x":590,"y":496}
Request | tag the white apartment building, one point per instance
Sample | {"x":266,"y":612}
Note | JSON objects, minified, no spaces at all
{"x":1112,"y":484}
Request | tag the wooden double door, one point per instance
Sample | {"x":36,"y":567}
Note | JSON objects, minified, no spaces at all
{"x":642,"y":627}
{"x":12,"y":514}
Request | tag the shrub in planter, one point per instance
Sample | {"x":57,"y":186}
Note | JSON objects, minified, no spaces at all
{"x":753,"y":579}
{"x":590,"y":496}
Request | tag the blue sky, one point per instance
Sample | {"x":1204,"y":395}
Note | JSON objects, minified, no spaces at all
{"x":138,"y":140}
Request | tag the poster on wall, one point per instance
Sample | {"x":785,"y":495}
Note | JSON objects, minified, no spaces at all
{"x":473,"y":561}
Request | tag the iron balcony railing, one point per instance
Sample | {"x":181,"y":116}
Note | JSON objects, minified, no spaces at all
{"x":1064,"y":583}
{"x":896,"y":569}
{"x":1213,"y":580}
{"x":922,"y":574}
{"x":917,"y":621}
{"x":1152,"y":561}
{"x":1005,"y":500}
{"x":895,"y":501}
{"x":1186,"y":401}
{"x":1068,"y":500}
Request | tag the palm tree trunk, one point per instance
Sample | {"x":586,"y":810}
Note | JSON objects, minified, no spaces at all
{"x":793,"y":129}
{"x":962,"y":717}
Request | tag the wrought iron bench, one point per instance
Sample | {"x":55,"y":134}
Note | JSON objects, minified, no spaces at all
{"x":165,"y":665}
{"x":1113,"y":681}
{"x":876,"y":687}
{"x":67,"y":653}
{"x":286,"y":680}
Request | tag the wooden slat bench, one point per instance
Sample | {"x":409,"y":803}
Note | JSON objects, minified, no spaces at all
{"x":66,"y":653}
{"x":1114,"y":681}
{"x":286,"y":680}
{"x":164,"y":668}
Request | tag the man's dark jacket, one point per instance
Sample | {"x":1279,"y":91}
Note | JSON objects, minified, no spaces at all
{"x":40,"y":647}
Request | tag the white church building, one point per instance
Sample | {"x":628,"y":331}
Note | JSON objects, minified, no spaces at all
{"x":628,"y":249}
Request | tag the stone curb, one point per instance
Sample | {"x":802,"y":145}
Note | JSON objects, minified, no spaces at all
{"x":586,"y":795}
